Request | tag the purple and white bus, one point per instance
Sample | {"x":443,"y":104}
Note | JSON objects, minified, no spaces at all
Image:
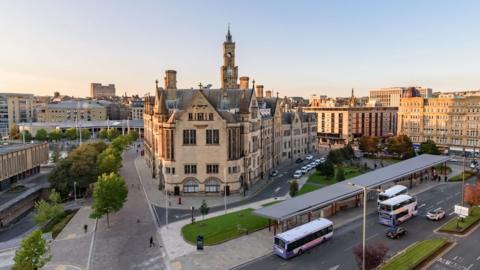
{"x":299,"y":239}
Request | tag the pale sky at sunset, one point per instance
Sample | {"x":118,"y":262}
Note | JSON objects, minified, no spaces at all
{"x":294,"y":47}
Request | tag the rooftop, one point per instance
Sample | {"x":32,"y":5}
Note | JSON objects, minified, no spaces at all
{"x":324,"y":196}
{"x":74,"y":104}
{"x":15,"y":147}
{"x":87,"y":124}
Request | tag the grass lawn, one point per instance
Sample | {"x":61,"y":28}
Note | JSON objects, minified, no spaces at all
{"x":56,"y":225}
{"x":414,"y":255}
{"x":451,"y":226}
{"x":316,"y":181}
{"x":270,"y":203}
{"x":307,"y":188}
{"x":459,"y":177}
{"x":225,"y":227}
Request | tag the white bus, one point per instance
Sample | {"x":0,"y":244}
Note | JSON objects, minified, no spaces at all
{"x":298,"y":240}
{"x":397,"y":210}
{"x":391,"y":192}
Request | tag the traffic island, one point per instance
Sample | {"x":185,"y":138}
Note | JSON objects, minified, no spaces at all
{"x":417,"y":255}
{"x":464,"y":225}
{"x":222,"y":228}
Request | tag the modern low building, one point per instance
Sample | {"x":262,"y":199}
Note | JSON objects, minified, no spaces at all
{"x":18,"y":161}
{"x":99,"y":91}
{"x":390,"y":97}
{"x":15,"y":108}
{"x":451,"y":121}
{"x":72,"y":110}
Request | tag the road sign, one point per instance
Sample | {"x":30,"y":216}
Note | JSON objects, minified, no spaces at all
{"x":461,"y":211}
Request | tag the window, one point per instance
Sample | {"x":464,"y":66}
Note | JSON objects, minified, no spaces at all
{"x":210,"y":116}
{"x":199,"y":116}
{"x":170,"y":170}
{"x":212,"y":136}
{"x":190,"y":169}
{"x":190,"y":186}
{"x":212,"y":185}
{"x":190,"y":116}
{"x":189,"y":136}
{"x":212,"y":168}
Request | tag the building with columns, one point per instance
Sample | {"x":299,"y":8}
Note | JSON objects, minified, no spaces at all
{"x":212,"y":140}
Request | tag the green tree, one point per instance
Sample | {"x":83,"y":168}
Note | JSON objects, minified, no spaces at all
{"x":109,"y":194}
{"x":327,"y":169}
{"x":103,"y":134}
{"x":368,"y":144}
{"x":132,"y":135}
{"x":14,"y":132}
{"x":293,"y":188}
{"x":109,"y":161}
{"x":60,"y":178}
{"x":99,"y":145}
{"x":45,"y":211}
{"x":85,"y":134}
{"x":55,"y":156}
{"x":55,"y":135}
{"x":120,"y":143}
{"x":33,"y":253}
{"x":340,"y":176}
{"x":71,"y":133}
{"x":26,"y":135}
{"x":204,"y":208}
{"x":429,"y":147}
{"x":402,"y":146}
{"x":41,"y":135}
{"x":112,"y":133}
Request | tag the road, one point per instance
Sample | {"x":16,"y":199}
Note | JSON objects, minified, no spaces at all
{"x":278,"y":187}
{"x":337,"y":253}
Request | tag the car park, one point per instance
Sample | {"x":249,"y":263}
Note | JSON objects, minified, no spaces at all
{"x":436,"y":214}
{"x":274,"y":173}
{"x":297,"y":174}
{"x":396,"y":233}
{"x":309,"y":157}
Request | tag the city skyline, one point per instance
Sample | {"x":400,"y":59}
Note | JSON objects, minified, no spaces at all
{"x":297,"y":50}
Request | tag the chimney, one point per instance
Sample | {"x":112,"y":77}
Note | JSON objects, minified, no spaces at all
{"x":268,"y":93}
{"x":259,"y":91}
{"x":170,"y":82}
{"x":244,"y":82}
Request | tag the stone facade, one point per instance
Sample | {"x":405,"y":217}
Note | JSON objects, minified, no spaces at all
{"x":72,"y":110}
{"x":98,"y":91}
{"x":450,"y":121}
{"x":390,"y":97}
{"x":20,"y":161}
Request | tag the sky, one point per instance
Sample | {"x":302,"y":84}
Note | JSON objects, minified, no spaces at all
{"x":297,"y":48}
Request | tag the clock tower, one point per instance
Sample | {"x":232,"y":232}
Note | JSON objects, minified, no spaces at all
{"x":229,"y":72}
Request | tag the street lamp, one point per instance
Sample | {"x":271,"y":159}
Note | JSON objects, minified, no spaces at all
{"x":75,"y":191}
{"x":364,"y":218}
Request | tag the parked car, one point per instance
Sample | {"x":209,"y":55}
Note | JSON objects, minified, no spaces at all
{"x":309,"y":157}
{"x":297,"y":174}
{"x":299,"y":160}
{"x":396,"y":233}
{"x":317,"y":161}
{"x":436,"y":214}
{"x":274,"y":173}
{"x":322,"y":160}
{"x":304,"y":169}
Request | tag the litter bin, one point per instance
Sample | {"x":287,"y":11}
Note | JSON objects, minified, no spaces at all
{"x":199,"y":242}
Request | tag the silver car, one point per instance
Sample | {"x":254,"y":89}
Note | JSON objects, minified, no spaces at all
{"x":436,"y":214}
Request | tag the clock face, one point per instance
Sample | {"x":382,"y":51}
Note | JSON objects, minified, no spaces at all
{"x":229,"y":71}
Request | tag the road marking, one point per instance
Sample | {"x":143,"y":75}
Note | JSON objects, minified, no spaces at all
{"x":440,"y":202}
{"x":276,"y":190}
{"x":335,"y":267}
{"x":451,"y":213}
{"x":467,"y":268}
{"x":478,"y":258}
{"x":422,"y":205}
{"x":368,"y":238}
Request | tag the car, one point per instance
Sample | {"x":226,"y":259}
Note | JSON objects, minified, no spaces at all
{"x":304,"y":169}
{"x":322,"y":160}
{"x":297,"y":174}
{"x":299,"y":160}
{"x":274,"y":173}
{"x":317,"y":160}
{"x":436,"y":214}
{"x":396,"y":233}
{"x":309,"y":157}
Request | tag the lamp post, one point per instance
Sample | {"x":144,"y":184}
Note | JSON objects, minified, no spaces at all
{"x":75,"y":191}
{"x":364,"y":229}
{"x":225,"y":187}
{"x":463,"y":175}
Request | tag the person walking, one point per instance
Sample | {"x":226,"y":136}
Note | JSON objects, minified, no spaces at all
{"x":151,"y":241}
{"x":85,"y":228}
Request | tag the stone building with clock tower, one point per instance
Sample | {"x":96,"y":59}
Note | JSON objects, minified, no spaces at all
{"x":229,"y":72}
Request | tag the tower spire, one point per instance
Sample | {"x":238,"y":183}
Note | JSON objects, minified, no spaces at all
{"x":229,"y":36}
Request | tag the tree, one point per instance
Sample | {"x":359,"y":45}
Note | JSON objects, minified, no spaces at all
{"x":109,"y":194}
{"x":402,"y":146}
{"x":99,"y":145}
{"x":204,"y":208}
{"x":26,"y":135}
{"x":132,"y":135}
{"x":55,"y":135}
{"x":45,"y":211}
{"x":59,"y":177}
{"x":112,"y":133}
{"x":33,"y":253}
{"x":293,"y":188}
{"x":109,"y":161}
{"x":85,"y":134}
{"x":55,"y":156}
{"x":14,"y":132}
{"x":103,"y":134}
{"x":340,"y":176}
{"x":120,"y":143}
{"x":41,"y":135}
{"x":71,"y":134}
{"x":368,"y":144}
{"x":374,"y":255}
{"x":429,"y":147}
{"x":327,"y":169}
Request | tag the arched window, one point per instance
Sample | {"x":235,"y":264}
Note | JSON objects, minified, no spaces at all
{"x":190,"y":186}
{"x":212,"y":185}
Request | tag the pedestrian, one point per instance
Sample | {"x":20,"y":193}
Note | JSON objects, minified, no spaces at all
{"x":138,"y":220}
{"x":85,"y":228}
{"x":151,"y":241}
